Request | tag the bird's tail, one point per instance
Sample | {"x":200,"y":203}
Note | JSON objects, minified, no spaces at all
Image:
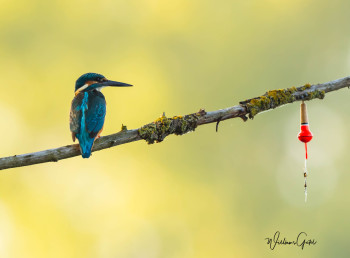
{"x":86,"y":154}
{"x":86,"y":147}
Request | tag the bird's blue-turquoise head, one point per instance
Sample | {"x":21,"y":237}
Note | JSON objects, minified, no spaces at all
{"x":91,"y":81}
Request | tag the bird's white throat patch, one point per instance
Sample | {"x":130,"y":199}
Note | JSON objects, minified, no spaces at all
{"x":99,"y":88}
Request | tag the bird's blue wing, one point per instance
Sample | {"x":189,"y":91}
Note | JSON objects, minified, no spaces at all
{"x":75,"y":115}
{"x":95,"y":114}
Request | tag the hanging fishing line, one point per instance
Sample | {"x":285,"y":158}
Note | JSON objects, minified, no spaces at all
{"x":304,"y":136}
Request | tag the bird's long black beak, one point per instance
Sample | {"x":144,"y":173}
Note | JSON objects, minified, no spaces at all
{"x":114,"y":84}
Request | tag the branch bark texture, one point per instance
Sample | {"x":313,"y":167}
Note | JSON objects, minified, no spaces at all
{"x":164,"y":126}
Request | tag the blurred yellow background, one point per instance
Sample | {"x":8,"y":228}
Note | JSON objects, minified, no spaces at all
{"x":204,"y":194}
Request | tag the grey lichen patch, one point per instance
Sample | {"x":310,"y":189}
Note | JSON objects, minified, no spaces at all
{"x":53,"y":157}
{"x":163,"y":126}
{"x":276,"y":98}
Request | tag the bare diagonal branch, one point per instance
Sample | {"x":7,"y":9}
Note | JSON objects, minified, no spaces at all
{"x":162,"y":127}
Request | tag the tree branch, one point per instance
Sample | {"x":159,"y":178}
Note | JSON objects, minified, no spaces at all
{"x":162,"y":127}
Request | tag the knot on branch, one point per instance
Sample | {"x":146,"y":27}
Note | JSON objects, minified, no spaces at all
{"x":163,"y":126}
{"x":276,"y":98}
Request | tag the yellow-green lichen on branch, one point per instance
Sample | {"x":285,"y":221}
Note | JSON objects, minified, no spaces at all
{"x":163,"y":126}
{"x":276,"y":98}
{"x":318,"y":94}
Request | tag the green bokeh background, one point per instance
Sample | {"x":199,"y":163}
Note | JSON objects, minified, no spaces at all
{"x":204,"y":194}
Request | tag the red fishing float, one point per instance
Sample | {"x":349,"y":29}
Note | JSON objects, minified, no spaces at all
{"x":304,"y":136}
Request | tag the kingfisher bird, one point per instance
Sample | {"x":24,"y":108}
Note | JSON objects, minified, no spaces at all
{"x":88,"y":110}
